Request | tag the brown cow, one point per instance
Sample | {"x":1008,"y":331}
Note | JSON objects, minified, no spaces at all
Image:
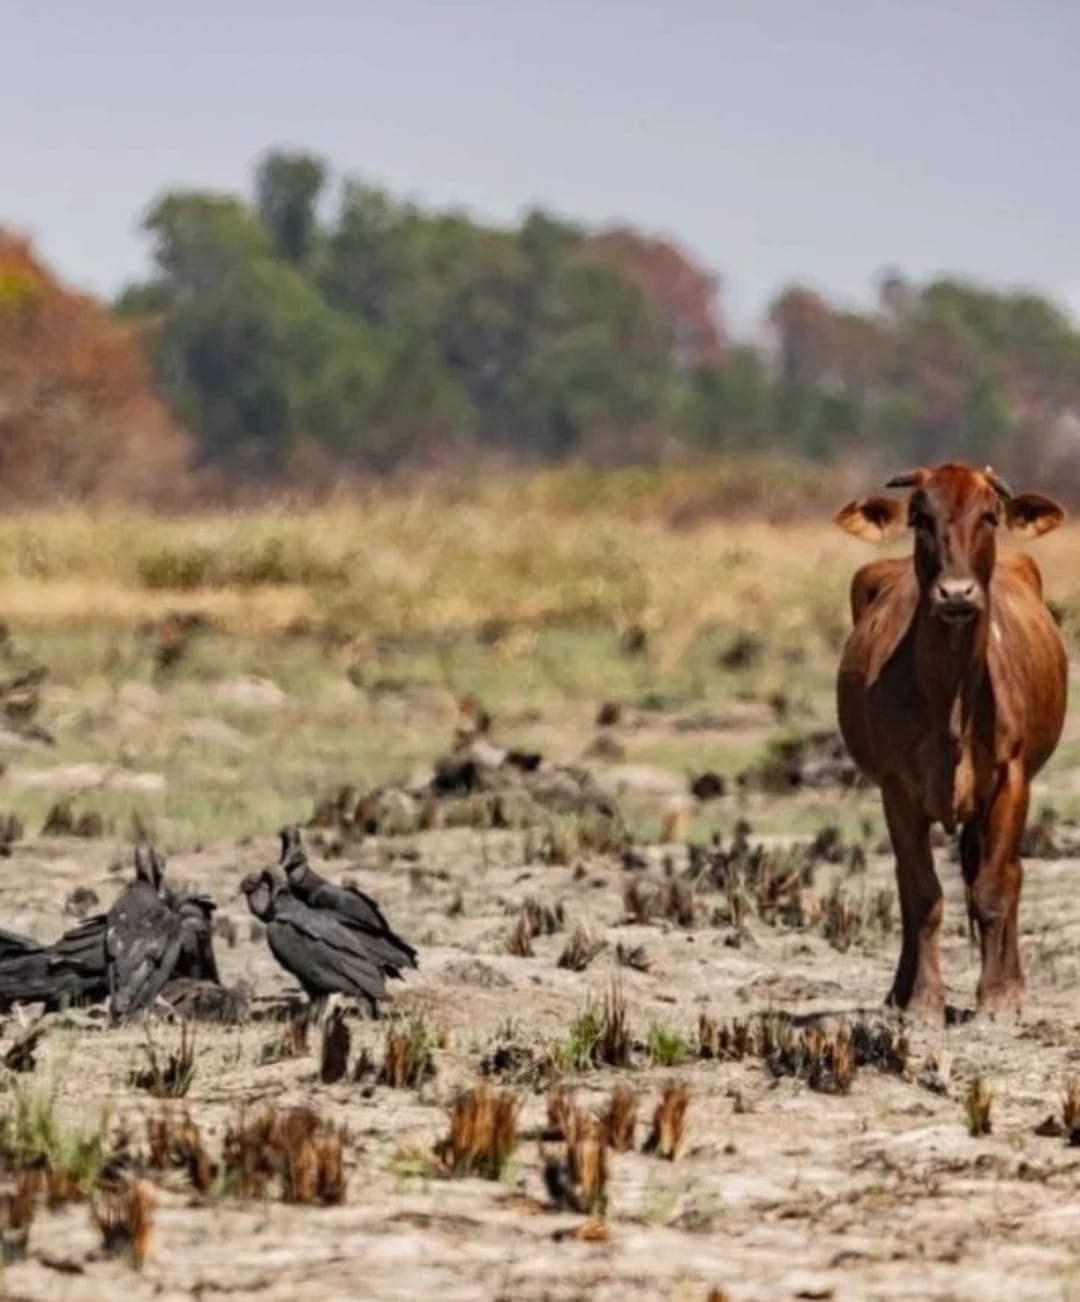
{"x":951,"y":696}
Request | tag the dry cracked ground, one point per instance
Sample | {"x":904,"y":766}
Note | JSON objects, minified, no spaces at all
{"x":778,"y":1190}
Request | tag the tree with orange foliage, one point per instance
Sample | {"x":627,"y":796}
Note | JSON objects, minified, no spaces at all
{"x":78,"y":413}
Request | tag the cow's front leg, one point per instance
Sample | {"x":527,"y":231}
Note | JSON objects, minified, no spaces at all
{"x":918,"y":986}
{"x":994,"y":894}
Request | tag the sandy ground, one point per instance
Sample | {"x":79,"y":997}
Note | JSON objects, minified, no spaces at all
{"x":779,"y":1191}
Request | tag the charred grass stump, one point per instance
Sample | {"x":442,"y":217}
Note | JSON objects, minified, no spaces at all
{"x":978,"y":1104}
{"x":408,"y":1057}
{"x":17,"y":1209}
{"x":175,"y":1143}
{"x":291,"y":1043}
{"x":669,"y":1122}
{"x":294,"y":1150}
{"x":483,"y":1133}
{"x":574,"y":1155}
{"x":168,"y":1077}
{"x":775,"y":885}
{"x":600,"y":1036}
{"x":619,"y":1119}
{"x":825,"y":1059}
{"x":580,"y":949}
{"x":336,"y":1043}
{"x":124,"y":1217}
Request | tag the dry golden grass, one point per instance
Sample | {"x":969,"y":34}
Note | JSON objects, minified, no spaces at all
{"x":626,"y":551}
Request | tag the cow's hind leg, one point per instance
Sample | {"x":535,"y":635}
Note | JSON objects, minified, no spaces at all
{"x":970,"y":859}
{"x":994,"y":894}
{"x":918,"y":986}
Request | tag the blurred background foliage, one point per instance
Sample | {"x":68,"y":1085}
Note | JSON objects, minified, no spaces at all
{"x":322,"y":331}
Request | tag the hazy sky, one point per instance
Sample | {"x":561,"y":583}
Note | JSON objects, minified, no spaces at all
{"x":818,"y":139}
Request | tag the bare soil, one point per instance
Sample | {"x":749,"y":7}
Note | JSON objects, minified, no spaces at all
{"x":779,"y":1191}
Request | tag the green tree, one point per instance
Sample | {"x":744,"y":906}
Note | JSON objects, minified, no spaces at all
{"x":287,"y":189}
{"x":250,"y":355}
{"x":366,"y":268}
{"x":728,"y":406}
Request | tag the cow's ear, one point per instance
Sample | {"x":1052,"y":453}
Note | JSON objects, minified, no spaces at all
{"x":1031,"y":514}
{"x":872,"y":518}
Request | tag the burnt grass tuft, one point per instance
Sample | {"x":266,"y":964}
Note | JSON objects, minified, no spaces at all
{"x":482,"y":1134}
{"x":167,"y":1075}
{"x":825,"y":1058}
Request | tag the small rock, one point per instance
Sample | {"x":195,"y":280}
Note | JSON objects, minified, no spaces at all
{"x":250,"y":693}
{"x":605,"y":747}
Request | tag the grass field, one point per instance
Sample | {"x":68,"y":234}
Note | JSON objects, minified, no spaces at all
{"x":211,"y":678}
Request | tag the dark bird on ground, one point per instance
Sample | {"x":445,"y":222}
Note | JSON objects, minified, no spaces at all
{"x":71,"y":971}
{"x":12,"y":945}
{"x":196,"y":960}
{"x":324,"y":953}
{"x":83,"y":948}
{"x":349,"y":905}
{"x":195,"y":990}
{"x":196,"y":914}
{"x":75,"y":968}
{"x":143,"y":939}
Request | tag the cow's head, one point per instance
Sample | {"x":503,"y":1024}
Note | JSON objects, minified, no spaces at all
{"x":955,"y":512}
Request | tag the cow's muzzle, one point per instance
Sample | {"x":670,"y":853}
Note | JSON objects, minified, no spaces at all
{"x":956,"y":600}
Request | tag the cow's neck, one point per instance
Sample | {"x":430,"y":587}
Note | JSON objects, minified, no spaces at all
{"x":950,"y":667}
{"x":949,"y":656}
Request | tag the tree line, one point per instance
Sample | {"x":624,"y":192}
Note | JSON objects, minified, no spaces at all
{"x":322,"y":326}
{"x":380,"y":334}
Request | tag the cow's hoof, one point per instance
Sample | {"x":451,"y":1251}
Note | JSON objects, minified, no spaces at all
{"x":1002,"y":998}
{"x":924,"y":1006}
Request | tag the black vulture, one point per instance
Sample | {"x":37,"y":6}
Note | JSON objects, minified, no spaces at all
{"x":196,"y":961}
{"x":142,"y":939}
{"x":351,"y":906}
{"x":75,"y":968}
{"x":40,"y":976}
{"x":83,"y":949}
{"x":70,"y":971}
{"x":316,"y":946}
{"x":12,"y":945}
{"x":196,"y":913}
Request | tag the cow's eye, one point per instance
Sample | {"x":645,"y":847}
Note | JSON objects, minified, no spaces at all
{"x":990,"y":518}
